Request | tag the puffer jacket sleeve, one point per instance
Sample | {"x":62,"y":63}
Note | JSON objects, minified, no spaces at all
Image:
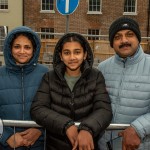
{"x":101,"y":116}
{"x":42,"y":113}
{"x":7,"y":132}
{"x":142,"y":125}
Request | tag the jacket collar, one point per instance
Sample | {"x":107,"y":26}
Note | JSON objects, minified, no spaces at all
{"x":60,"y":69}
{"x":130,"y":60}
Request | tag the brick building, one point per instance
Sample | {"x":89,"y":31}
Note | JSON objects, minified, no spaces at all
{"x":90,"y":17}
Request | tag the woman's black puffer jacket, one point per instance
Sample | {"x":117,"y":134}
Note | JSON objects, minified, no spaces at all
{"x":88,"y":103}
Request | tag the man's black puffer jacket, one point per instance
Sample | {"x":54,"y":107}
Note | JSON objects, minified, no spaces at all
{"x":55,"y":104}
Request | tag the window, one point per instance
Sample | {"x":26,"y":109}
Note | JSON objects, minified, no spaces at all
{"x":93,"y":32}
{"x":130,"y":6}
{"x":3,"y":33}
{"x":95,"y":6}
{"x":3,"y":4}
{"x":47,"y":35}
{"x":47,"y":4}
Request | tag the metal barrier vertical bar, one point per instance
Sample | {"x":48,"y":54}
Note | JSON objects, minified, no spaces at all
{"x":45,"y":139}
{"x":14,"y":138}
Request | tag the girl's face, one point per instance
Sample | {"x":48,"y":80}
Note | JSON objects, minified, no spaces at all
{"x":22,"y":50}
{"x":73,"y":55}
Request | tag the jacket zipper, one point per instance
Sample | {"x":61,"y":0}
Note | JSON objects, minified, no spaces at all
{"x":22,"y":87}
{"x":72,"y":101}
{"x":72,"y":106}
{"x":120,"y":88}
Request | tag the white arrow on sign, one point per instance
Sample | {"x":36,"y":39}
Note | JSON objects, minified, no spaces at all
{"x":67,"y":6}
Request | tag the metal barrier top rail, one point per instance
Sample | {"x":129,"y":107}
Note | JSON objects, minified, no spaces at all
{"x":20,"y":123}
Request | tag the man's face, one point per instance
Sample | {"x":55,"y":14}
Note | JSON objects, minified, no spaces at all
{"x":125,"y":43}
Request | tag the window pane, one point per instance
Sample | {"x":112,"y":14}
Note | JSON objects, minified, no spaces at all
{"x":90,"y":8}
{"x":94,"y":8}
{"x":90,"y":2}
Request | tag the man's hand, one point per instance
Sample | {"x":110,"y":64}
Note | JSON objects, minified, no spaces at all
{"x":30,"y":135}
{"x":84,"y":141}
{"x":131,"y":140}
{"x":72,"y":134}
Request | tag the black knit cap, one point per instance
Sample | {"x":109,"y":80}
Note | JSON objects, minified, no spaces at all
{"x":123,"y":23}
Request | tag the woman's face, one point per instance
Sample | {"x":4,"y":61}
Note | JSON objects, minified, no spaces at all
{"x":22,"y":50}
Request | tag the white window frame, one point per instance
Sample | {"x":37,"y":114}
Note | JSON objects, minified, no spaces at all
{"x":128,"y":12}
{"x":93,"y":30}
{"x":96,"y":6}
{"x":47,"y":10}
{"x":4,"y":4}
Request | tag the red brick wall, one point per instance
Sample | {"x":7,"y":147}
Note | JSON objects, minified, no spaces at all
{"x":80,"y":21}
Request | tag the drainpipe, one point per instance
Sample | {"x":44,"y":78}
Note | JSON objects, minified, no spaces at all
{"x":23,"y":12}
{"x":148,"y":24}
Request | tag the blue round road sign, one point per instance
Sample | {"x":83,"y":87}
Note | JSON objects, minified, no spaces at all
{"x":66,"y":7}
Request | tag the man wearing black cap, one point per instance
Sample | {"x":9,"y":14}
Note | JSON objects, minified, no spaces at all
{"x":127,"y":77}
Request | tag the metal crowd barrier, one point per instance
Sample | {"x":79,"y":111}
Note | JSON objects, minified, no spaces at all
{"x":20,"y":123}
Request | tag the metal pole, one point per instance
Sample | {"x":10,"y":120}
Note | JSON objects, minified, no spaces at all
{"x":67,"y":23}
{"x":148,"y":24}
{"x":20,"y":123}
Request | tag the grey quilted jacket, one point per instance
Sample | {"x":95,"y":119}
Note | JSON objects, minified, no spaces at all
{"x":128,"y":84}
